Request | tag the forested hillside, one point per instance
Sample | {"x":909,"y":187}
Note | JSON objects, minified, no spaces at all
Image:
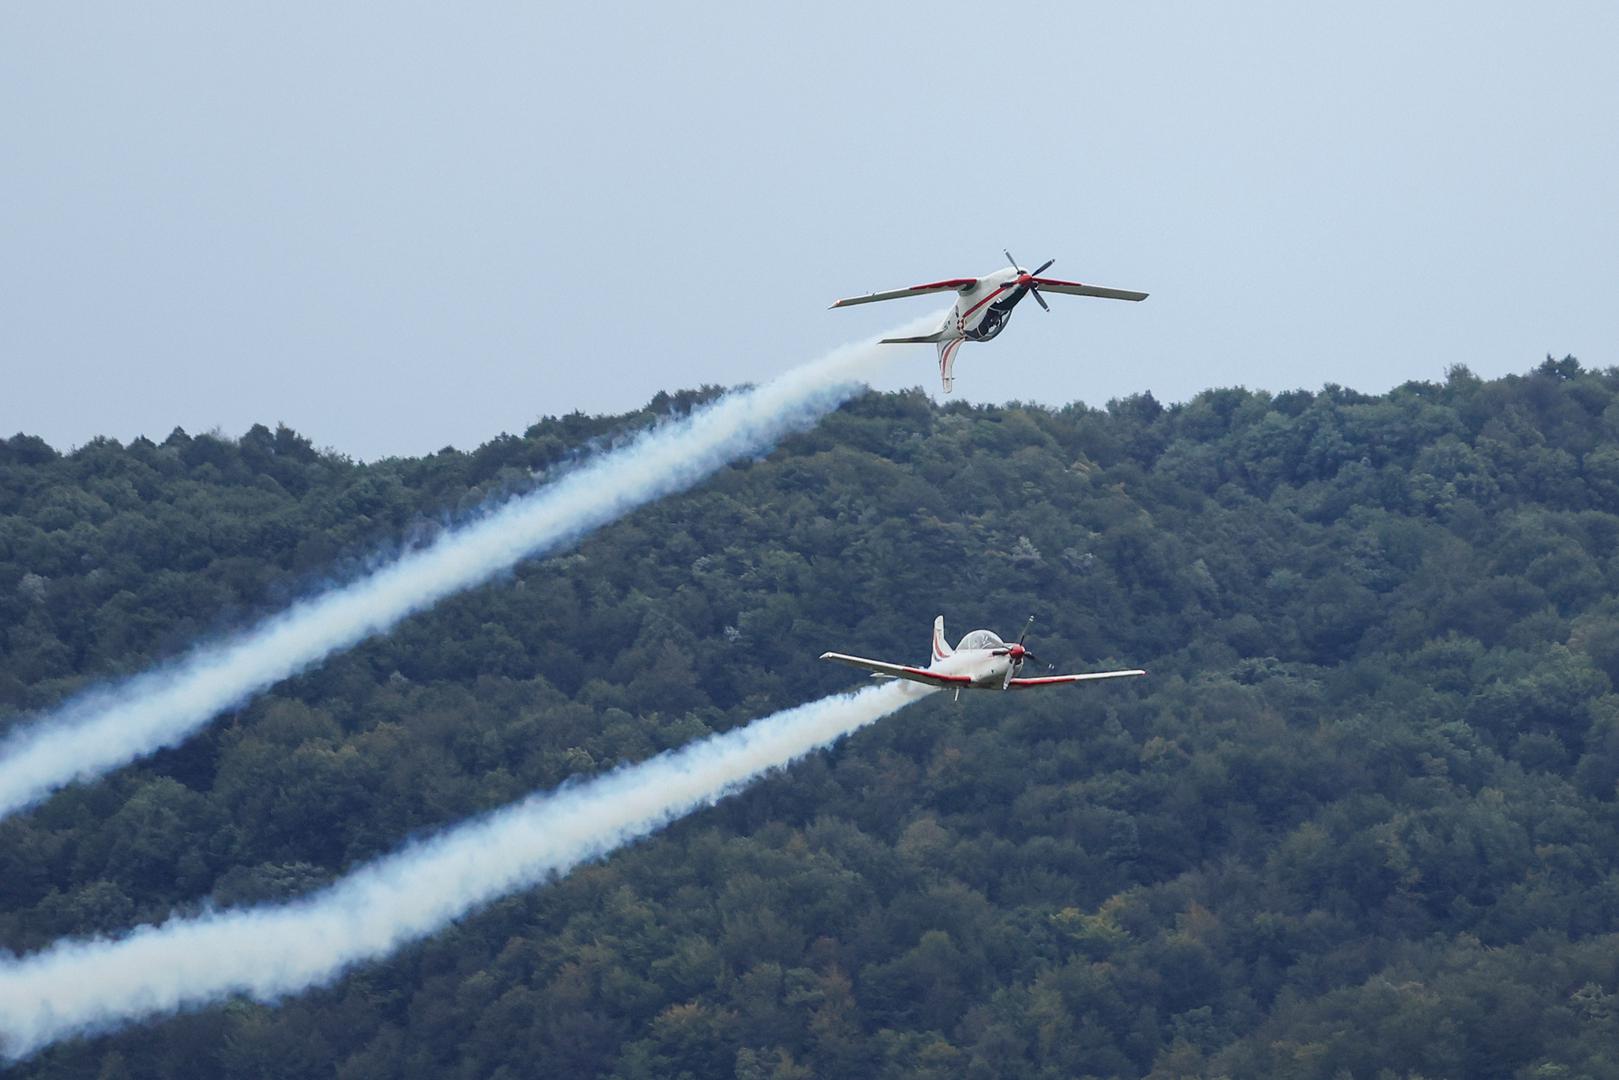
{"x":1359,"y":821}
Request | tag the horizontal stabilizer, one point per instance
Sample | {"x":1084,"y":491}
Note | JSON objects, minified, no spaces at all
{"x":937,"y":335}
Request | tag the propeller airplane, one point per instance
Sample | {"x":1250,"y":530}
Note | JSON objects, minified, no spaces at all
{"x":981,"y":661}
{"x":984,"y":306}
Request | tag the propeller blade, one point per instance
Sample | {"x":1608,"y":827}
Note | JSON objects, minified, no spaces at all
{"x":1043,"y":267}
{"x":1036,"y":659}
{"x":1034,"y":290}
{"x":1009,"y":258}
{"x":1025,"y":633}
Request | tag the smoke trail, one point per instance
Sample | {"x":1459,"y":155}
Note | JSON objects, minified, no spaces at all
{"x":268,"y":952}
{"x":112,"y":726}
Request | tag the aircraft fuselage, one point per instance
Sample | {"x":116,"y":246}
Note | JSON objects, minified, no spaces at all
{"x":982,"y":656}
{"x":987,"y":671}
{"x":983,"y":311}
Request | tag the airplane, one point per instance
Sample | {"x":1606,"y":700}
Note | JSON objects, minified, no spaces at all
{"x":981,"y":661}
{"x":984,"y":306}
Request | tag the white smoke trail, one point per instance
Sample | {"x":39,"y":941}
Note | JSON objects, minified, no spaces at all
{"x":268,"y":952}
{"x":110,"y":727}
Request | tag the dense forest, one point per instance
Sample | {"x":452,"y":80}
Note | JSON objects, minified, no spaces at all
{"x":1360,"y":820}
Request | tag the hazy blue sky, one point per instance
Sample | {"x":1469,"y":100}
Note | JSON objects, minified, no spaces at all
{"x":397,"y":226}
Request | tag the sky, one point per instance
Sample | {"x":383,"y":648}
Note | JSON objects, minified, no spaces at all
{"x":396,"y":227}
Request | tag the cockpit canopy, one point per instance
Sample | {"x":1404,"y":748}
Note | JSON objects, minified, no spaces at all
{"x":982,"y":639}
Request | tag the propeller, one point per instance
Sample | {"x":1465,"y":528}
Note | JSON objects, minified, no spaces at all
{"x":1027,"y":280}
{"x":1019,"y":653}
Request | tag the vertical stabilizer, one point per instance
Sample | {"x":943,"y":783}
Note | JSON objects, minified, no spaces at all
{"x":947,"y":362}
{"x":941,"y":648}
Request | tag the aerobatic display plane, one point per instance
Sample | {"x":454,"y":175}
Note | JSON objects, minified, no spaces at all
{"x":984,"y":306}
{"x":981,"y":661}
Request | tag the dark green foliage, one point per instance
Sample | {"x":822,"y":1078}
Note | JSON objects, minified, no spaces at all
{"x":1362,"y":820}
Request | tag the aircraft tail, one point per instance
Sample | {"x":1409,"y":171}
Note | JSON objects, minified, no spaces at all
{"x":941,"y":648}
{"x":947,"y":351}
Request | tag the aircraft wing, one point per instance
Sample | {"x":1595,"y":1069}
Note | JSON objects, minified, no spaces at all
{"x":1079,"y":288}
{"x":899,"y":671}
{"x":1053,"y":680}
{"x":915,"y":290}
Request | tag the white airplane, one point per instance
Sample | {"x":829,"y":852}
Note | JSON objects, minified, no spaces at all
{"x":985,"y":306}
{"x":981,"y":661}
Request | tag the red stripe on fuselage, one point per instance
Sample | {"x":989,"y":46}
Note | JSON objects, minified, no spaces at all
{"x":962,"y":321}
